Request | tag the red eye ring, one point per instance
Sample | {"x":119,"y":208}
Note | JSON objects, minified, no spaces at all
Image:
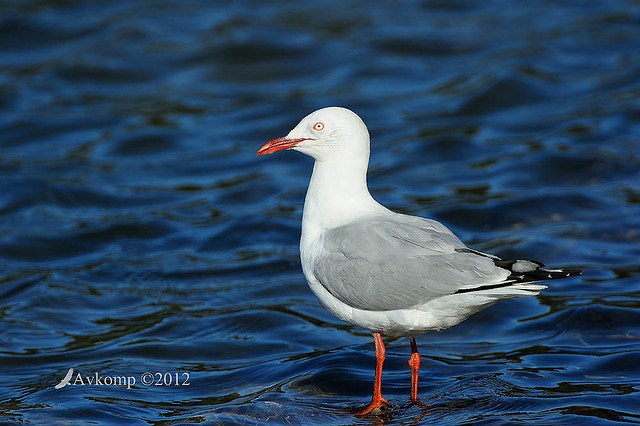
{"x":318,"y":126}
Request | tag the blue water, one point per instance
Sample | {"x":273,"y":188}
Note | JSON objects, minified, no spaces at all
{"x":139,"y":233}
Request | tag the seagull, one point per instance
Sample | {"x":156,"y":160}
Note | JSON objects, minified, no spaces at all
{"x":390,"y":273}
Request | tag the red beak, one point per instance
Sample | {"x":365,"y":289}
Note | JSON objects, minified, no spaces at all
{"x":278,"y":145}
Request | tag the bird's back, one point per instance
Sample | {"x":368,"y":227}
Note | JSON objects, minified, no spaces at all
{"x":396,"y":262}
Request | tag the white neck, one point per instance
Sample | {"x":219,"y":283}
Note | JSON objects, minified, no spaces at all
{"x":337,"y":194}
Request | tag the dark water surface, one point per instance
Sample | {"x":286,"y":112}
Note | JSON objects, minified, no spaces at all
{"x":140,"y":233}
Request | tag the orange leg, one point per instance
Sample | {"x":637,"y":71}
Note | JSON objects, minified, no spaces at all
{"x":376,"y":400}
{"x":414,"y":364}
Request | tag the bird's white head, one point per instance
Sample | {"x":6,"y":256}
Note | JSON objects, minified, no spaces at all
{"x":324,"y":134}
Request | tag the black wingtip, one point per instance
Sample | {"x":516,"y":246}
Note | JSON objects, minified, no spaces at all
{"x":524,"y":271}
{"x":571,"y":272}
{"x":539,"y":274}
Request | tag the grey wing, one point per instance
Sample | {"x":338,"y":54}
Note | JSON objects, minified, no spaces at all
{"x":382,"y":264}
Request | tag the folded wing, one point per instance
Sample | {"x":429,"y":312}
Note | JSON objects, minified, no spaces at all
{"x":380,"y":264}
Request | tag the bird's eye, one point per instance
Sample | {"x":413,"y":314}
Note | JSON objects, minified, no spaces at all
{"x":318,"y":126}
